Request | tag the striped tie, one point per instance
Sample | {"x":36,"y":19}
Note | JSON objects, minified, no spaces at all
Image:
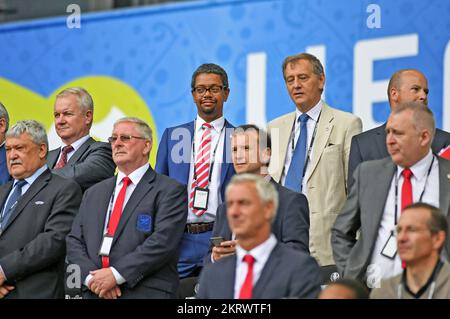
{"x":202,"y":163}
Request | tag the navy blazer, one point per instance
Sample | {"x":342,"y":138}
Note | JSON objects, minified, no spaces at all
{"x":291,"y":224}
{"x":371,"y":145}
{"x":4,"y":174}
{"x":288,"y":273}
{"x":178,"y":139}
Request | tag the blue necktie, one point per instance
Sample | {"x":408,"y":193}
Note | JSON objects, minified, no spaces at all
{"x":295,"y":173}
{"x":12,"y":202}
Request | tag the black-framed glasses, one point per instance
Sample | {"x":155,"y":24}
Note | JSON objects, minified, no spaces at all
{"x":215,"y":89}
{"x":123,"y":138}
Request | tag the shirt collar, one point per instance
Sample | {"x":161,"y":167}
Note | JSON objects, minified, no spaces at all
{"x":1,"y":145}
{"x":217,"y":124}
{"x":261,"y":252}
{"x":30,"y":179}
{"x":76,"y":145}
{"x":420,"y":169}
{"x":312,"y":113}
{"x":135,"y":176}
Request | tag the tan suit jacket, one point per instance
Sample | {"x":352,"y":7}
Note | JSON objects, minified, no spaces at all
{"x":326,"y":173}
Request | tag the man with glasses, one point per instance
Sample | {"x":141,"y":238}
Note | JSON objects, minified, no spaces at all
{"x":128,"y":230}
{"x":80,"y":157}
{"x":197,"y":154}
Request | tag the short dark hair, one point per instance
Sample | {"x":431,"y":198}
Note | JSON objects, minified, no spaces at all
{"x":359,"y":290}
{"x":210,"y":68}
{"x":437,"y":222}
{"x":263,"y":137}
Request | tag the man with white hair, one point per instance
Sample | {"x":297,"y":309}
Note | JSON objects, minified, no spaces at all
{"x":80,"y":157}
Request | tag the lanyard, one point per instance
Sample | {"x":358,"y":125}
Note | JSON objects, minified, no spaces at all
{"x":421,"y":194}
{"x":213,"y":154}
{"x":308,"y":154}
{"x":109,"y":212}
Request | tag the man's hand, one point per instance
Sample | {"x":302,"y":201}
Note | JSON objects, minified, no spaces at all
{"x":102,"y":282}
{"x":4,"y":290}
{"x":114,"y":293}
{"x":226,"y":248}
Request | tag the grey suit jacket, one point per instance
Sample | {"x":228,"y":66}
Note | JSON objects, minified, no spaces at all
{"x":146,"y":254}
{"x":371,"y":145}
{"x":363,"y":212}
{"x":291,"y":224}
{"x":90,"y":164}
{"x":288,"y":273}
{"x":32,"y":245}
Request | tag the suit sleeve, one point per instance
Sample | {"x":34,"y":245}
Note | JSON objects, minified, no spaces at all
{"x":96,"y":166}
{"x":355,"y":127}
{"x":295,"y":228}
{"x":49,"y":246}
{"x":163,"y":243}
{"x":218,"y":230}
{"x":354,"y":160}
{"x":348,"y":222}
{"x":162,"y":163}
{"x":203,"y":283}
{"x":306,"y":282}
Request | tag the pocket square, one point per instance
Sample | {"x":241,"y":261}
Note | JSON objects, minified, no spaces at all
{"x":39,"y":202}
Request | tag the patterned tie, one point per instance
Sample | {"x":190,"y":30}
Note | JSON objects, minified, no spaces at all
{"x":63,"y":159}
{"x":202,"y":164}
{"x":247,"y":286}
{"x":115,"y":215}
{"x":12,"y":202}
{"x":407,"y":195}
{"x":295,"y":173}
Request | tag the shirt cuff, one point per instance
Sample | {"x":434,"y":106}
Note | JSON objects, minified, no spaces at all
{"x":86,"y":281}
{"x":3,"y":273}
{"x":119,"y":279}
{"x":212,"y":259}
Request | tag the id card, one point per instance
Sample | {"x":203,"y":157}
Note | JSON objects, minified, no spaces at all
{"x":105,"y":247}
{"x":201,"y":196}
{"x":390,"y":248}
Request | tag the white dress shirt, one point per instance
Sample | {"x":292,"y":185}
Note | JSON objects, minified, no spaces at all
{"x":261,"y":254}
{"x":214,"y":200}
{"x":76,"y":145}
{"x":135,"y":178}
{"x":392,"y":267}
{"x":313,"y":114}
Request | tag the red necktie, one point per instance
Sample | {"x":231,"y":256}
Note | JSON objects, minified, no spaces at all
{"x":407,"y":195}
{"x":115,"y":215}
{"x":202,"y":163}
{"x":247,"y":286}
{"x":63,"y":159}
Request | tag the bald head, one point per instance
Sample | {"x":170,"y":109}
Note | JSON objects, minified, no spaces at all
{"x":407,"y":85}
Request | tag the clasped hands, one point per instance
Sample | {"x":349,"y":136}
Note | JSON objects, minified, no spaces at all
{"x":103,"y":284}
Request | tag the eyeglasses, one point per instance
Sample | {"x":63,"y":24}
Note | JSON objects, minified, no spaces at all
{"x":215,"y":89}
{"x":124,"y":138}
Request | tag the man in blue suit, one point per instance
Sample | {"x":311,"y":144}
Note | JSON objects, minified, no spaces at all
{"x":197,"y":154}
{"x":4,"y":123}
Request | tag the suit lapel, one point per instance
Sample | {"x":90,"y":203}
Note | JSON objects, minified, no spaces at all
{"x":104,"y":200}
{"x":284,"y":136}
{"x":34,"y":189}
{"x":226,"y":159}
{"x":80,"y":151}
{"x":142,"y":188}
{"x":268,"y":273}
{"x":228,"y":273}
{"x":444,"y":185}
{"x":324,"y":128}
{"x":4,"y":191}
{"x":184,"y":167}
{"x":52,"y":157}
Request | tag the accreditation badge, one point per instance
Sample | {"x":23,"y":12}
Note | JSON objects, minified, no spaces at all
{"x":201,"y":196}
{"x":390,"y":248}
{"x":105,"y":247}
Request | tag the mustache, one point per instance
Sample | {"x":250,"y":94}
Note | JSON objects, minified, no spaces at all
{"x":11,"y":162}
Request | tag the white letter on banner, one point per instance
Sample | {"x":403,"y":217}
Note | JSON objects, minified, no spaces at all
{"x":374,"y":20}
{"x":73,"y":20}
{"x":256,"y":89}
{"x":365,"y":90}
{"x":446,"y":93}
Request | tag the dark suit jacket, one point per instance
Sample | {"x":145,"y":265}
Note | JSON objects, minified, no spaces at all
{"x":32,"y":245}
{"x":371,"y":145}
{"x":4,"y":174}
{"x":178,"y":139}
{"x":90,"y":164}
{"x":363,"y":212}
{"x":291,"y":224}
{"x":145,"y":257}
{"x":287,"y":273}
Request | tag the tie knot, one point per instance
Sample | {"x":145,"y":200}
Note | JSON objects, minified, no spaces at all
{"x":407,"y":173}
{"x":303,"y":118}
{"x":206,"y":126}
{"x":249,"y":259}
{"x":21,"y":183}
{"x":126,"y":181}
{"x":67,"y":149}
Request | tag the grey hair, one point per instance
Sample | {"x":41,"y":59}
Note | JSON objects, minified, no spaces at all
{"x":84,"y":98}
{"x":423,"y":117}
{"x":266,"y":191}
{"x":33,"y":128}
{"x":210,"y":68}
{"x":4,"y":114}
{"x":143,"y":128}
{"x":315,"y":63}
